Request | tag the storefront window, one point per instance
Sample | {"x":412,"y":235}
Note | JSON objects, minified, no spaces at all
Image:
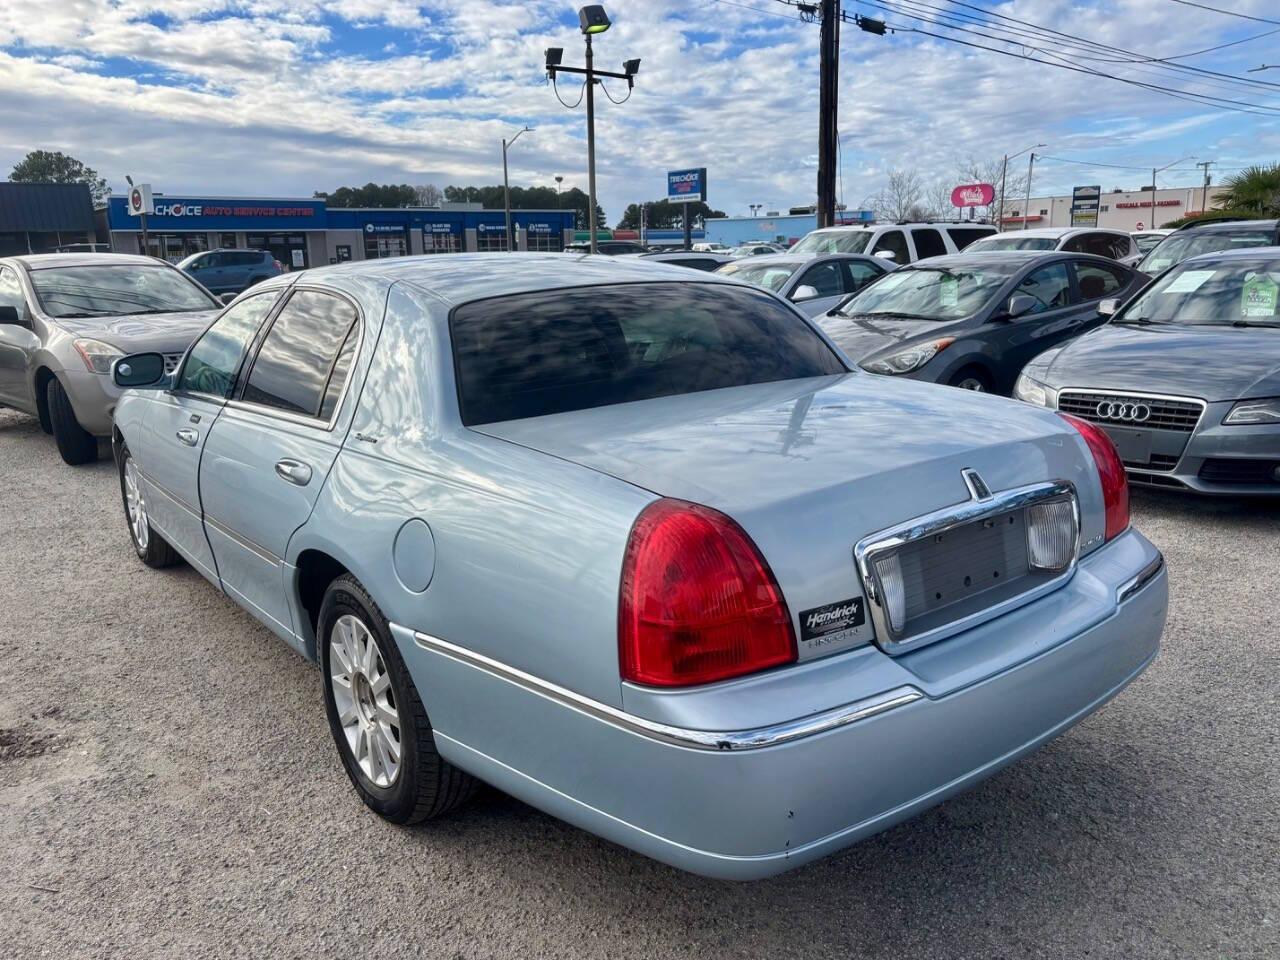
{"x":541,"y":238}
{"x":227,"y":241}
{"x":491,"y":238}
{"x":441,"y":242}
{"x":379,"y":246}
{"x":288,"y":248}
{"x":173,"y":246}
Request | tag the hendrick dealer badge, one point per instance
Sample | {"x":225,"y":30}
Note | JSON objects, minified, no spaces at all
{"x":832,"y":623}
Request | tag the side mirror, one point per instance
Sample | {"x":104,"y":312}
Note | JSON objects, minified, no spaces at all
{"x":1019,"y":304}
{"x":886,"y":255}
{"x":1108,"y":308}
{"x":226,"y":298}
{"x":139,"y":370}
{"x":804,"y":292}
{"x":9,"y":316}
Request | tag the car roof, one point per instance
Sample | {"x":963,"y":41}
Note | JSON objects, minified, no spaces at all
{"x":41,"y":261}
{"x":847,"y":227}
{"x":1227,"y":225}
{"x":1056,"y":232}
{"x":1243,"y":253}
{"x":462,"y":277}
{"x":970,"y":257}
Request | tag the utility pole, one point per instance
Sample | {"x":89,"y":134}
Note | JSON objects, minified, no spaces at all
{"x":1004,"y":170}
{"x":1204,"y":189}
{"x":592,"y":20}
{"x":828,"y":111}
{"x":506,"y":188}
{"x":1026,"y":210}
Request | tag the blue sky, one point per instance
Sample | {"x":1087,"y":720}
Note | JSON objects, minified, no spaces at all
{"x":283,"y":97}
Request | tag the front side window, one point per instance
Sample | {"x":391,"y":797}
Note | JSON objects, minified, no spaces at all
{"x":214,"y":360}
{"x":300,"y":353}
{"x":895,"y":242}
{"x":1096,"y":281}
{"x":116,"y":290}
{"x":11,"y":291}
{"x":825,"y":278}
{"x":1049,"y":286}
{"x":534,"y":354}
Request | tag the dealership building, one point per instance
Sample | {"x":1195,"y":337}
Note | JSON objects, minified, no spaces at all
{"x":775,"y":227}
{"x":308,"y":233}
{"x":1118,"y":210}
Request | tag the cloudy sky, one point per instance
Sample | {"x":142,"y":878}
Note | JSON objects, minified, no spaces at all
{"x":283,"y":97}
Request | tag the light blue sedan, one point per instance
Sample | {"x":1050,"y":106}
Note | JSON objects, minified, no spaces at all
{"x":638,"y":547}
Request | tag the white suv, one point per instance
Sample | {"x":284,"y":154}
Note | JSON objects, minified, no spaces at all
{"x":896,"y":242}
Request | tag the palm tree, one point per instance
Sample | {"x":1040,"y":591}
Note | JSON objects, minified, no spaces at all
{"x":1255,"y":190}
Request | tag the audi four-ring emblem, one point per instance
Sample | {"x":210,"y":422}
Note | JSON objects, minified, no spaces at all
{"x":1132,"y":412}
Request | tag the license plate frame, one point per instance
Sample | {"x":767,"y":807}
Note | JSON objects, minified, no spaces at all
{"x":1134,"y":446}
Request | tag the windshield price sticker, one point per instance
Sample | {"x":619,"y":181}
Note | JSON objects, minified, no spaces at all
{"x":1259,"y":296}
{"x":1189,"y":281}
{"x":949,"y":295}
{"x":1159,"y":264}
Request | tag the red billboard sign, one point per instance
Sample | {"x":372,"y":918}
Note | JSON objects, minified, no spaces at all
{"x":973,"y":195}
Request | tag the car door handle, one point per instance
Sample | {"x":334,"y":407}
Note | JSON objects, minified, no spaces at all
{"x":294,"y":472}
{"x":188,"y":436}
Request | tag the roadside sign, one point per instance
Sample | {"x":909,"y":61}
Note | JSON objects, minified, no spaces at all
{"x":686,"y":186}
{"x":1139,"y":225}
{"x":973,"y":195}
{"x":139,"y":202}
{"x":1084,"y":205}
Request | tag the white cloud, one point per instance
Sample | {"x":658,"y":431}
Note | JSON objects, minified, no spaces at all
{"x":286,"y":97}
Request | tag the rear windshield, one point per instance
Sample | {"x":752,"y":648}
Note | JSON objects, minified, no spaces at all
{"x":1184,"y":244}
{"x":534,"y":354}
{"x":1013,"y":242}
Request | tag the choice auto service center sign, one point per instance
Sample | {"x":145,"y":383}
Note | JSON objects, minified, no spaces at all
{"x":687,"y":186}
{"x":211,"y":213}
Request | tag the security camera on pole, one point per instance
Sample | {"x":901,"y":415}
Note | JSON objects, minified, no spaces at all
{"x":591,"y":20}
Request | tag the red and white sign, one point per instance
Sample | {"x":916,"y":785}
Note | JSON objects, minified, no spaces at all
{"x":1131,"y":205}
{"x":1139,"y":225}
{"x":973,"y":195}
{"x":140,"y":200}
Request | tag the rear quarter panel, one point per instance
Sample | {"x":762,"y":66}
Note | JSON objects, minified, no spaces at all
{"x":527,"y":548}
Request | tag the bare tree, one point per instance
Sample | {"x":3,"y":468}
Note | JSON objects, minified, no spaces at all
{"x":901,"y":198}
{"x":974,"y":170}
{"x":427,"y":195}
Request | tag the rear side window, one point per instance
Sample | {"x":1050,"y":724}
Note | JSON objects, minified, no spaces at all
{"x":301,"y":353}
{"x":928,"y":242}
{"x":858,"y":273}
{"x":963,"y":236}
{"x":541,"y":353}
{"x":245,"y":259}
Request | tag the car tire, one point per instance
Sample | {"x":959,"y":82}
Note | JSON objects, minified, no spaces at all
{"x":972,"y":378}
{"x":151,"y":548}
{"x":76,"y":444}
{"x":377,"y":719}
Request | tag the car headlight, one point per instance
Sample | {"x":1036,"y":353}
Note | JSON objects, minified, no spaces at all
{"x":912,"y":358}
{"x":1033,"y":391}
{"x":1254,"y":411}
{"x":97,"y":356}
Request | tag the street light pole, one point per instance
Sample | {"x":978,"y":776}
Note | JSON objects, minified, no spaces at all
{"x":1026,"y":210}
{"x":592,"y":20}
{"x":1004,"y":170}
{"x":1154,"y":171}
{"x":506,"y":188}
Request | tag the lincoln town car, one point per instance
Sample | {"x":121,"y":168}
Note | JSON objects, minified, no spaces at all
{"x":638,"y":546}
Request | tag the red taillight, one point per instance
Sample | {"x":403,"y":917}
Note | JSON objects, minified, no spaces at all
{"x":698,"y":602}
{"x":1115,"y":485}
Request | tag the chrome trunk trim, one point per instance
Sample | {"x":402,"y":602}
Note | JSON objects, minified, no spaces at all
{"x":715,"y":740}
{"x":869,"y":548}
{"x":1145,"y":576}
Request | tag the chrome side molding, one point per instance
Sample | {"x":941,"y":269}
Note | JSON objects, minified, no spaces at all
{"x":753,"y":739}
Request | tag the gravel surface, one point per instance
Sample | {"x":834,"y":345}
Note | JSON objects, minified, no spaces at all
{"x":168,"y":788}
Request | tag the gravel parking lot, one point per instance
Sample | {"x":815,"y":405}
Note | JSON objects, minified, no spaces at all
{"x":168,"y":788}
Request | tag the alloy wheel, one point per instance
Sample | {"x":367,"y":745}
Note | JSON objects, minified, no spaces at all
{"x":135,"y":506}
{"x":365,"y":701}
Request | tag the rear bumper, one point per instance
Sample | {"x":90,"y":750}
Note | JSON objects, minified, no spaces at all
{"x":743,"y":810}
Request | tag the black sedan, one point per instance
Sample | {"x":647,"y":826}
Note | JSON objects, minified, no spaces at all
{"x":974,"y":320}
{"x":1185,"y":379}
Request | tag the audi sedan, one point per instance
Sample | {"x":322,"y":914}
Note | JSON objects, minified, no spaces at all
{"x":633,"y":544}
{"x":1185,"y":379}
{"x":973,"y":320}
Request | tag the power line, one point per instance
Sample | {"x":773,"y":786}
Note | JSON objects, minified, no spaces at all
{"x":767,"y":13}
{"x":1229,"y":13}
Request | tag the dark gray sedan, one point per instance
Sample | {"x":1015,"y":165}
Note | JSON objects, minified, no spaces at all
{"x":813,"y":284}
{"x":1185,"y":379}
{"x":973,"y":320}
